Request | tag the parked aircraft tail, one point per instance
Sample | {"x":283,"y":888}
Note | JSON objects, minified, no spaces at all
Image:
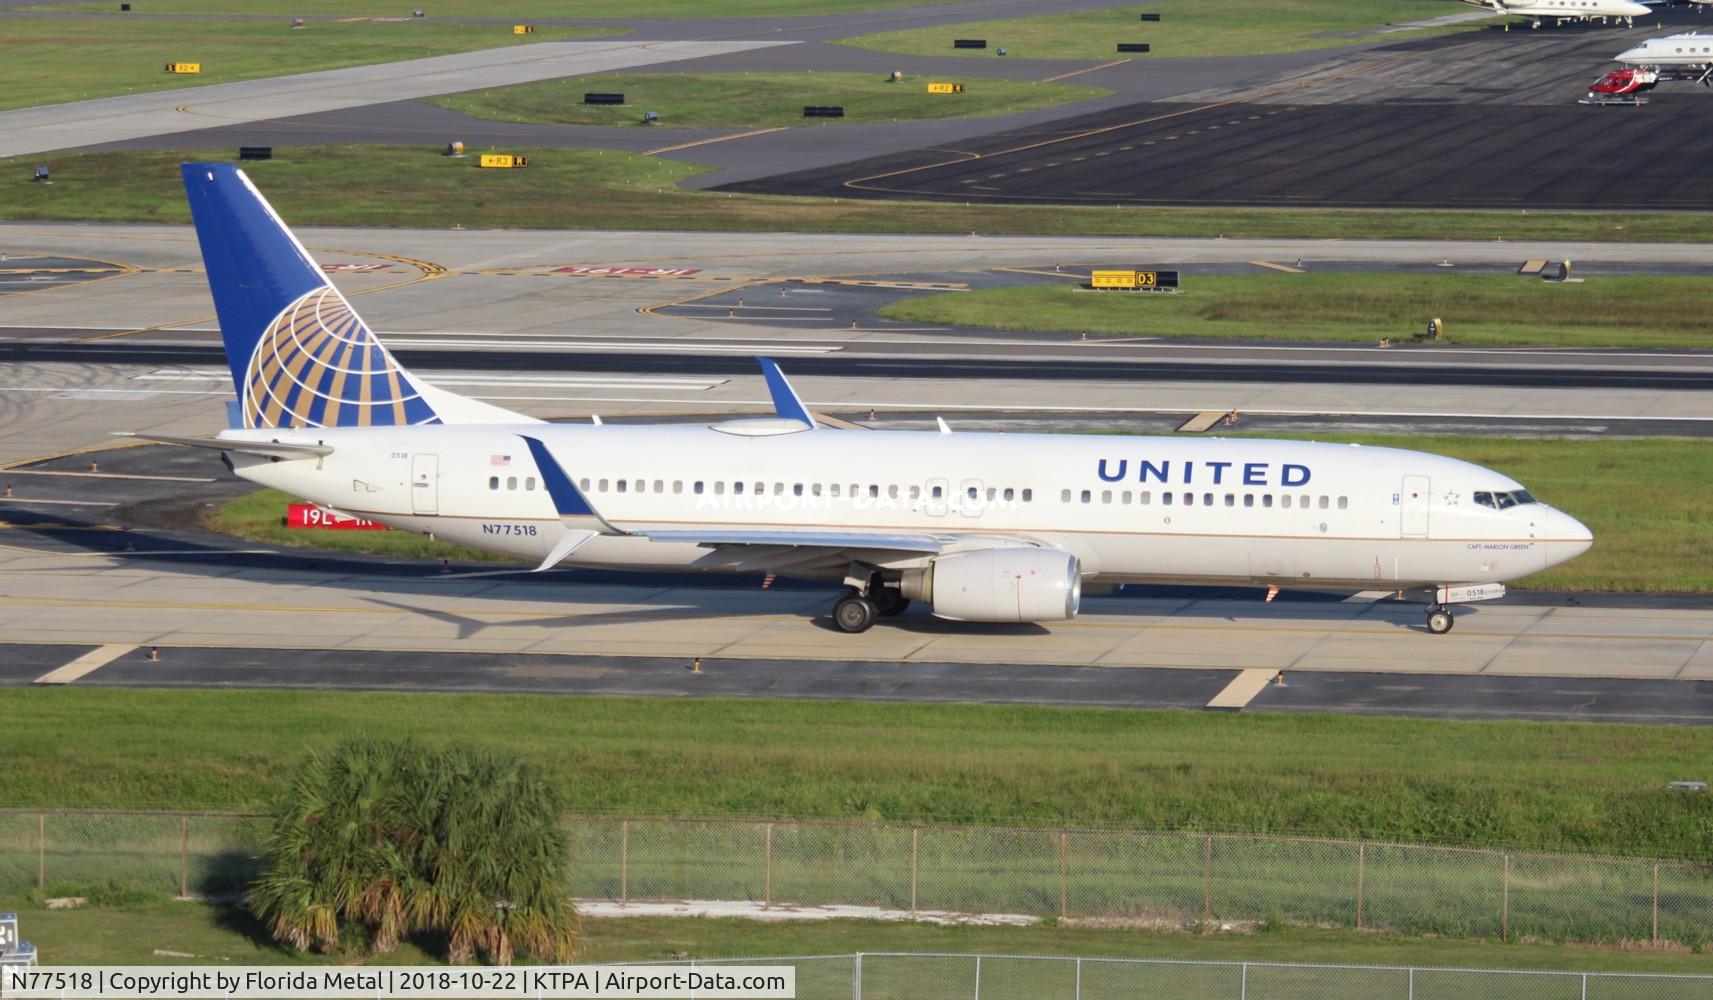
{"x":300,"y":356}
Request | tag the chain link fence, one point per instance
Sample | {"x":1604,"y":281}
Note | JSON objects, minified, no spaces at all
{"x":1167,"y":880}
{"x":900,"y":976}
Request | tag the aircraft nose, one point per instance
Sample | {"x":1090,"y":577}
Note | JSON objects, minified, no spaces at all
{"x":1566,"y":537}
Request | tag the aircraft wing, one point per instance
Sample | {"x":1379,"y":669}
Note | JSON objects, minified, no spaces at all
{"x":818,"y":538}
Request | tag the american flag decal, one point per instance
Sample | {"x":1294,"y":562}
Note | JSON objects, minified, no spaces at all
{"x":500,"y":460}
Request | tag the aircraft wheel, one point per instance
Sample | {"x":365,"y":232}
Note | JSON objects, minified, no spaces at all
{"x":889,"y":602}
{"x":853,"y":614}
{"x":1439,"y":621}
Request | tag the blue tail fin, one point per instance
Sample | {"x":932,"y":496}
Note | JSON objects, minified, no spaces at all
{"x":300,"y":356}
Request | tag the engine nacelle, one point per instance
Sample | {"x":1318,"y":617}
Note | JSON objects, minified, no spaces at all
{"x":999,"y":585}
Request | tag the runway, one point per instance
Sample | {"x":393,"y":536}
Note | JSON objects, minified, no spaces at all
{"x":106,"y":565}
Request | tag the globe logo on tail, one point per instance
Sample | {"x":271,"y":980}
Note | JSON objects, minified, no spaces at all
{"x":317,"y":365}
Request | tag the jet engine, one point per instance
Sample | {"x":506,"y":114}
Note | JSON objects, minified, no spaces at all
{"x":999,"y":585}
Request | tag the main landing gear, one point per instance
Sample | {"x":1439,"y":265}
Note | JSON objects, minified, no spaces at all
{"x":856,"y":611}
{"x":1439,"y":619}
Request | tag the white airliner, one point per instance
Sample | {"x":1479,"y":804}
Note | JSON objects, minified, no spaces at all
{"x":1567,"y":10}
{"x":982,"y":527}
{"x":1689,"y":51}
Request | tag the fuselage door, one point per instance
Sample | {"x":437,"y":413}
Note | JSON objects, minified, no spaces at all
{"x":969,"y":498}
{"x":1413,"y":507}
{"x":425,"y":484}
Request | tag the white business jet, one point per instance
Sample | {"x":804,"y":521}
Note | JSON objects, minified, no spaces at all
{"x":1689,"y":51}
{"x":981,"y":527}
{"x":1567,"y":10}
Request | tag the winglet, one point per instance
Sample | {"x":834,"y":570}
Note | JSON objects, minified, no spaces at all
{"x":568,"y":500}
{"x":785,"y":402}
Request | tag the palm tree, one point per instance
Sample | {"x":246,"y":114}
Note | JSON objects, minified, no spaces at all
{"x":376,"y":840}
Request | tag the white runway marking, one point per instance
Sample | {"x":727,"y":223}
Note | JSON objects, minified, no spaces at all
{"x":86,"y":664}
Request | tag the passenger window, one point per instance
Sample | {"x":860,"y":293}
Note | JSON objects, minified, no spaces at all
{"x":873,"y":491}
{"x":835,"y":489}
{"x":1248,"y":499}
{"x":511,"y":482}
{"x":719,"y":487}
{"x":1087,"y":496}
{"x":1207,"y":499}
{"x":529,"y":484}
{"x":603,"y":486}
{"x":1325,"y":502}
{"x":815,"y":489}
{"x":1028,"y":496}
{"x":660,"y":486}
{"x":621,"y":485}
{"x":1144,"y":498}
{"x":698,"y":487}
{"x":1166,"y":498}
{"x":1343,"y":503}
{"x":1105,"y":496}
{"x":1285,"y":501}
{"x":940,"y":492}
{"x":1124,"y":497}
{"x":779,"y":489}
{"x":1064,"y":496}
{"x":1189,"y":499}
{"x":892,"y":493}
{"x":582,"y":484}
{"x":494,"y":483}
{"x":1010,"y":494}
{"x":1231,"y":500}
{"x":737,"y":488}
{"x":975,"y":494}
{"x":760,"y":489}
{"x":797,"y":489}
{"x":992,"y":494}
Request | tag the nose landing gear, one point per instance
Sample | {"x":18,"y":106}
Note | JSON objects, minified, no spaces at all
{"x":1439,"y":619}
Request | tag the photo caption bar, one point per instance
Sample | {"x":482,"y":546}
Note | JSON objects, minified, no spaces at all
{"x":288,"y":982}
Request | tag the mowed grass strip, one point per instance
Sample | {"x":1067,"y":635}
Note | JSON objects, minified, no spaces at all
{"x":130,"y":935}
{"x":260,"y":517}
{"x":1478,"y":309}
{"x":1185,"y":28}
{"x":604,"y":189}
{"x":1554,"y":786}
{"x":522,"y":10}
{"x":48,"y":60}
{"x":757,"y":100}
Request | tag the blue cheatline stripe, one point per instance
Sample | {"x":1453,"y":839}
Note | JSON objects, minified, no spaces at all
{"x":785,"y":401}
{"x":567,"y":499}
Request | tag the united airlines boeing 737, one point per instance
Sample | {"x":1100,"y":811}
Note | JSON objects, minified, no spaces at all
{"x":981,"y":527}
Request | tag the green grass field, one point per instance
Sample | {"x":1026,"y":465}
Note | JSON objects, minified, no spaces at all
{"x":757,"y":100}
{"x":1553,"y":786}
{"x":258,"y":516}
{"x":130,"y":935}
{"x":593,"y":189}
{"x":1186,"y":28}
{"x":49,"y":60}
{"x":1483,"y":309}
{"x":523,"y":10}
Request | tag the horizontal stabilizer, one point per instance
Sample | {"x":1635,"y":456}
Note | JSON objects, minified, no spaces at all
{"x":269,"y":449}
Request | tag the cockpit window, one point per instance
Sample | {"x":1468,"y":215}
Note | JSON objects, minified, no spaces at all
{"x":1503,"y":499}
